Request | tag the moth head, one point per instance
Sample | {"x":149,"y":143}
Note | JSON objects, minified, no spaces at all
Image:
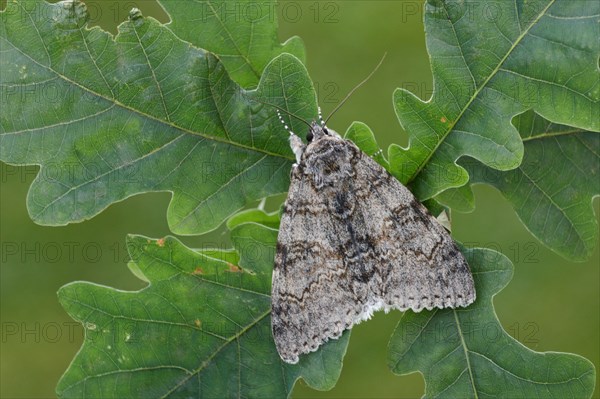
{"x":316,"y":131}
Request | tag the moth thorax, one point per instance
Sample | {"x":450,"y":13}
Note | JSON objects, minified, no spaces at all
{"x":328,"y":162}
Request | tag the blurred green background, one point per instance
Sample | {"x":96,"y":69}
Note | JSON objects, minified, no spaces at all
{"x":551,"y":305}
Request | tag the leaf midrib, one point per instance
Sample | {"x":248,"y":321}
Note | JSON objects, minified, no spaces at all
{"x":466,"y":352}
{"x":475,"y":95}
{"x":208,"y":360}
{"x":552,"y":134}
{"x":140,"y":113}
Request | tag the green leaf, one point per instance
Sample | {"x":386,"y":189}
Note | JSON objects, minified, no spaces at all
{"x":225,"y":255}
{"x":491,"y":61}
{"x":243,"y":34}
{"x":364,"y":139}
{"x":141,"y":112}
{"x":256,"y":245}
{"x":460,"y":199}
{"x":254,"y":216}
{"x":552,"y":190}
{"x":201,"y":328}
{"x":465,"y":353}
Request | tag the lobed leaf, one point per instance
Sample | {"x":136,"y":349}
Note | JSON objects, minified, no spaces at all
{"x":552,"y":190}
{"x":144,"y":111}
{"x":490,"y":61}
{"x":465,"y":353}
{"x":243,"y":34}
{"x":201,"y":328}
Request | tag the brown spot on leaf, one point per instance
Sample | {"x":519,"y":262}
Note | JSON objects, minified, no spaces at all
{"x":443,"y":119}
{"x":198,"y":270}
{"x":198,"y":323}
{"x":160,"y":242}
{"x":233,"y":268}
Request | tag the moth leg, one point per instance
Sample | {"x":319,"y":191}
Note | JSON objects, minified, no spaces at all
{"x":296,"y":143}
{"x":297,"y":146}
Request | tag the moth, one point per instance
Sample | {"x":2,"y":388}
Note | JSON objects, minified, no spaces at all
{"x":353,"y":240}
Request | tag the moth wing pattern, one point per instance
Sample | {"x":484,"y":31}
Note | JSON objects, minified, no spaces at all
{"x":307,"y":267}
{"x":354,"y":240}
{"x":417,"y":263}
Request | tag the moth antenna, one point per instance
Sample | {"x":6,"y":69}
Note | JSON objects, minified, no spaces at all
{"x":284,"y":124}
{"x":321,"y":117}
{"x":356,"y":88}
{"x":295,"y":142}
